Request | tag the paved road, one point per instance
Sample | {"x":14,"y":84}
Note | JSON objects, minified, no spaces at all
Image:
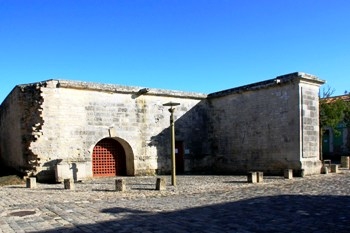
{"x":319,"y":203}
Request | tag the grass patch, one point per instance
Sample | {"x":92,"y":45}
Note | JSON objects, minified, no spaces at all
{"x":10,"y":176}
{"x":11,"y":180}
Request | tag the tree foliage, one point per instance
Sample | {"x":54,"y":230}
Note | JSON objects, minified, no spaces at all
{"x":334,"y":110}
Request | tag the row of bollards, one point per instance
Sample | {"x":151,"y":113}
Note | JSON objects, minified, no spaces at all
{"x":252,"y":177}
{"x":328,"y":167}
{"x":334,"y":168}
{"x":258,"y":177}
{"x":31,"y":183}
{"x":120,"y":184}
{"x":255,"y":177}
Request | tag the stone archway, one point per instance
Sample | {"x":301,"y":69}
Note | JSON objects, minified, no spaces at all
{"x":108,"y":158}
{"x":129,"y":156}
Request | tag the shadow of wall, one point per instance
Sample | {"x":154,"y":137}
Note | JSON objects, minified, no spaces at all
{"x":256,"y":128}
{"x":192,"y":129}
{"x":20,"y":124}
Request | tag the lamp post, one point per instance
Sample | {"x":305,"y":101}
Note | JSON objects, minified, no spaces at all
{"x":172,"y":126}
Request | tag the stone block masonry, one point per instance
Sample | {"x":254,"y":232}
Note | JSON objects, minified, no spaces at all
{"x":75,"y":116}
{"x":267,"y":126}
{"x":63,"y":124}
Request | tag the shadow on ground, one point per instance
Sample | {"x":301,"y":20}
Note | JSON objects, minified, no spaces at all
{"x":286,"y":213}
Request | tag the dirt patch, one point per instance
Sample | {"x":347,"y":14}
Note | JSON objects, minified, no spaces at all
{"x":11,"y":180}
{"x":9,"y":176}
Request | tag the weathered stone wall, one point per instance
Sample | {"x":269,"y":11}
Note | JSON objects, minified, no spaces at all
{"x":76,"y":117}
{"x":268,"y":126}
{"x":20,"y":124}
{"x":10,"y":129}
{"x":310,"y":130}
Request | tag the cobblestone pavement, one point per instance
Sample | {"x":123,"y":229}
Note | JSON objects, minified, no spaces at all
{"x":318,"y":203}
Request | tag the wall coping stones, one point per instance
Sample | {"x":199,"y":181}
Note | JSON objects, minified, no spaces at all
{"x":279,"y":80}
{"x":135,"y":90}
{"x":115,"y":88}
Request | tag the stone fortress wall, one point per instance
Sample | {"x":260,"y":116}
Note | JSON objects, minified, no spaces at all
{"x":47,"y":127}
{"x":268,"y":126}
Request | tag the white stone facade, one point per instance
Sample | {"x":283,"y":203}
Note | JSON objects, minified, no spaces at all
{"x":51,"y":128}
{"x":268,"y":126}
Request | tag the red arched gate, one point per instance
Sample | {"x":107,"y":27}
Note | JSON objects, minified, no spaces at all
{"x":108,"y":158}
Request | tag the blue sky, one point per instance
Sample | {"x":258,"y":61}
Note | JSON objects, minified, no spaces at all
{"x":190,"y":45}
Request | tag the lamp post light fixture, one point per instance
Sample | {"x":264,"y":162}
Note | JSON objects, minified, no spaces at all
{"x":172,"y":129}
